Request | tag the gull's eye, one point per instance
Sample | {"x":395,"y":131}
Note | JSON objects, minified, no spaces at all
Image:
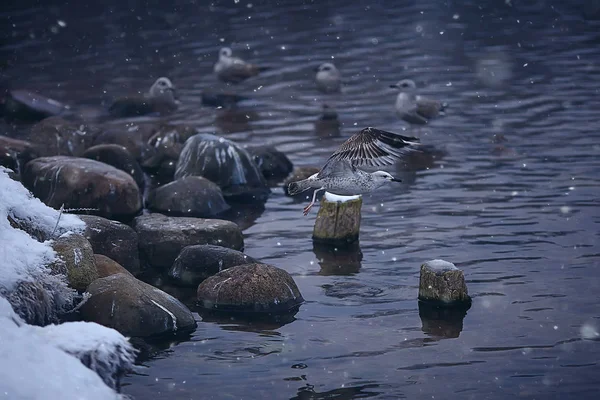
{"x":404,"y":85}
{"x":326,"y":68}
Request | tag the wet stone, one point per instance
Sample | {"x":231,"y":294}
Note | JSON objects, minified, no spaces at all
{"x":113,"y":239}
{"x":82,"y":183}
{"x":135,"y":308}
{"x":107,"y":266}
{"x":443,"y":284}
{"x":56,"y":136}
{"x":134,"y":137}
{"x":272,"y":163}
{"x":119,"y":157}
{"x":192,"y":196}
{"x":250,"y":288}
{"x":196,"y":263}
{"x":162,"y":238}
{"x":75,"y":260}
{"x":224,"y":162}
{"x":14,"y":154}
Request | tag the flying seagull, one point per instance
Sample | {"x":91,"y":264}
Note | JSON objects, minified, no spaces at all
{"x":341,"y":175}
{"x":231,"y":69}
{"x":413,"y":108}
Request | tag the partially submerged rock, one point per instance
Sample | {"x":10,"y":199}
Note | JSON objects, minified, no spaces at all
{"x":114,"y":240}
{"x":225,"y":163}
{"x":250,"y":288}
{"x":135,"y":308}
{"x":192,"y":196}
{"x":162,"y":238}
{"x":443,"y":284}
{"x":198,"y":262}
{"x":272,"y":163}
{"x":75,"y":260}
{"x":83,"y":183}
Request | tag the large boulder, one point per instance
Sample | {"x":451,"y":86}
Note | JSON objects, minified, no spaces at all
{"x":107,"y":266}
{"x":56,"y":136}
{"x":162,"y":238}
{"x":253,"y":288}
{"x":135,"y":308}
{"x":198,"y":262}
{"x":83,"y":183}
{"x":14,"y":154}
{"x":225,"y":163}
{"x":192,"y":196}
{"x":75,"y":259}
{"x":119,"y":157}
{"x":114,"y":240}
{"x":272,"y":163}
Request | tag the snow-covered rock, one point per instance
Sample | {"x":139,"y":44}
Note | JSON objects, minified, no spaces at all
{"x":68,"y":361}
{"x":34,"y":292}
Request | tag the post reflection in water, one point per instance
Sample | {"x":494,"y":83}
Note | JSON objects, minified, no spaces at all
{"x":338,"y":261}
{"x":442,"y":322}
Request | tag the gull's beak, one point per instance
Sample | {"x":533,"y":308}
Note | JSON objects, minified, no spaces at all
{"x":395,"y":180}
{"x":316,"y":69}
{"x":394,"y":86}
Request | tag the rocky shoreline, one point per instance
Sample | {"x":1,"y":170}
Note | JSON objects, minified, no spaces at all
{"x":122,"y":207}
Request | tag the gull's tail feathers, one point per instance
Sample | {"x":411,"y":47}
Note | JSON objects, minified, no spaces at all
{"x":295,"y":188}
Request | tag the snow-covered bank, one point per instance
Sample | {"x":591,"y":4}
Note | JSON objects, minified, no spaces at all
{"x":36,"y":363}
{"x":23,"y":276}
{"x":75,"y":360}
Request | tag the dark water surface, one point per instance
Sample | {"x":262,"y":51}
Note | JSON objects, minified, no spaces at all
{"x":521,"y":217}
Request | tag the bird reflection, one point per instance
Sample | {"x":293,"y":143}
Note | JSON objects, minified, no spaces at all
{"x":442,"y":322}
{"x":338,"y":261}
{"x":328,"y":124}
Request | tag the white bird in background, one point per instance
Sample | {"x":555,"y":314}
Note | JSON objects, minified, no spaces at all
{"x":328,"y":78}
{"x":340,"y":175}
{"x":231,"y":69}
{"x":161,"y":98}
{"x":413,"y":108}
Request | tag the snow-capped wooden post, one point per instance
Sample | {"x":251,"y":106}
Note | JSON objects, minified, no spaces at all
{"x":338,"y":220}
{"x":442,"y":284}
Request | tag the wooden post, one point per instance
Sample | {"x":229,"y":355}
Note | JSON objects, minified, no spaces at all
{"x":443,"y":284}
{"x":338,"y":220}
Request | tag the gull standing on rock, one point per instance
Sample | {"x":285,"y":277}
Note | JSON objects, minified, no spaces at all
{"x":413,"y":108}
{"x":231,"y":69}
{"x":161,"y":98}
{"x":328,"y":78}
{"x":340,"y":175}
